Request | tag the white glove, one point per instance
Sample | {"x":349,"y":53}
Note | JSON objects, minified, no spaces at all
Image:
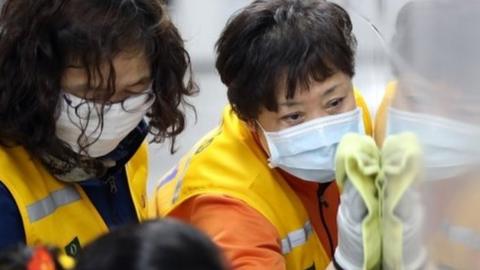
{"x":351,"y":213}
{"x":357,"y":167}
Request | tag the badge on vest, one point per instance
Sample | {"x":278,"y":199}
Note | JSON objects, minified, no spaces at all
{"x":73,"y":247}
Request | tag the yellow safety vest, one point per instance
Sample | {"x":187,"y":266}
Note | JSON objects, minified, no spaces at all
{"x":57,"y":213}
{"x":228,"y":162}
{"x":382,"y":113}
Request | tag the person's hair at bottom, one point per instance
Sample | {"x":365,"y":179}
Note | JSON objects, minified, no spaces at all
{"x":22,"y":257}
{"x":160,"y":244}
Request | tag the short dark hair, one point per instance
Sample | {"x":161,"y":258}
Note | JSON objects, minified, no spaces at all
{"x":153,"y":245}
{"x":271,"y":43}
{"x":39,"y":38}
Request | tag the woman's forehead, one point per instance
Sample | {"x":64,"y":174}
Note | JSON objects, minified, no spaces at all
{"x":128,"y":68}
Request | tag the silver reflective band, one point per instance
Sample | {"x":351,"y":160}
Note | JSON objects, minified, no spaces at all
{"x":462,"y":235}
{"x":296,"y":238}
{"x":49,"y":204}
{"x":179,"y":184}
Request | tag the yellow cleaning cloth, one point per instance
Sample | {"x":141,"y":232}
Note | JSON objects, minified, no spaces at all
{"x":358,"y":161}
{"x":401,"y":164}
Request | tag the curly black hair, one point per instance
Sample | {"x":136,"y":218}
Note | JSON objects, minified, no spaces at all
{"x":38,"y":40}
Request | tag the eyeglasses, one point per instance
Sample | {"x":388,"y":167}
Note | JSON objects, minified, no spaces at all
{"x":86,"y":109}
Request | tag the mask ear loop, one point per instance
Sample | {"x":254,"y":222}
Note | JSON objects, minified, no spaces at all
{"x":271,"y":147}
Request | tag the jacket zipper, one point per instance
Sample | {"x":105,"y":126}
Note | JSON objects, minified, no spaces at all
{"x":322,"y":203}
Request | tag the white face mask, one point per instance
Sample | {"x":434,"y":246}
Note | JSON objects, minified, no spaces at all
{"x":119,"y":119}
{"x":307,"y":151}
{"x":449,"y":146}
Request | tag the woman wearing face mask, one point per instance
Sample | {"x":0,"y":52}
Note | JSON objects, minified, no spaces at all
{"x":77,"y":78}
{"x":261,"y":183}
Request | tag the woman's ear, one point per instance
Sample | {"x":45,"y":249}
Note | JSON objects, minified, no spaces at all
{"x":253,"y":126}
{"x":258,"y":134}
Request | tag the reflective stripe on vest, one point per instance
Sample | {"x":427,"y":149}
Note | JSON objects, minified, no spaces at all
{"x":462,"y":235}
{"x":49,"y":204}
{"x":179,"y":184}
{"x":296,"y":238}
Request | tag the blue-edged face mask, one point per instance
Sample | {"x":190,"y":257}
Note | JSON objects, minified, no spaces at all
{"x":307,"y":151}
{"x":449,"y":146}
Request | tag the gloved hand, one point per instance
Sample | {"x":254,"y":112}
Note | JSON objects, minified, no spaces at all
{"x":357,"y":166}
{"x":402,"y":210}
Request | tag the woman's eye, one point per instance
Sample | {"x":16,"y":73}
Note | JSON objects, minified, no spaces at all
{"x":293,"y":118}
{"x":335,"y":103}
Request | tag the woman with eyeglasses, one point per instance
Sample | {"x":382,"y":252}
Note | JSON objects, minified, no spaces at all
{"x":82,"y":83}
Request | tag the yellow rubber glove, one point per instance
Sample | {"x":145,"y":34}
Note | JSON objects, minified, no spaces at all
{"x":402,"y":210}
{"x":357,"y":167}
